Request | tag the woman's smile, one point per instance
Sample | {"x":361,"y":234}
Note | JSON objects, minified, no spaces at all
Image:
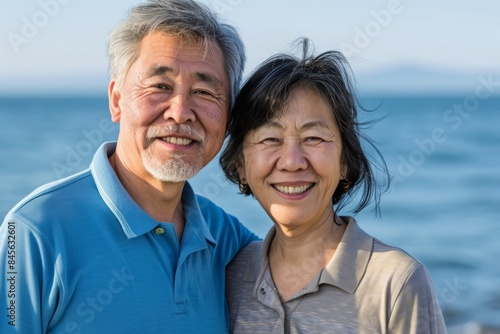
{"x":292,"y":191}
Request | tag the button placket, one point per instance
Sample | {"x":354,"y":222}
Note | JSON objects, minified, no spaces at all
{"x":166,"y":240}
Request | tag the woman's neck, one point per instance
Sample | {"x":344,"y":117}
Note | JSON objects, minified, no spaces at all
{"x":296,"y":258}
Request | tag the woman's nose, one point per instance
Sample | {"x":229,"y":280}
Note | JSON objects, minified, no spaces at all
{"x":292,"y":157}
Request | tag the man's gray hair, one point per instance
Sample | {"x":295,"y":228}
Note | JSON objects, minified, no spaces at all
{"x":187,"y":19}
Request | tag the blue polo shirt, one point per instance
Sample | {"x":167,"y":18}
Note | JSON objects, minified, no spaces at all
{"x":80,"y":256}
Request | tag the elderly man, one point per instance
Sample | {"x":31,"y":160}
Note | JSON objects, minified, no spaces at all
{"x":126,"y":246}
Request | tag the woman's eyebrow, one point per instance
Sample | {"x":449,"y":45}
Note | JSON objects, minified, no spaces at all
{"x":306,"y":126}
{"x":315,"y":124}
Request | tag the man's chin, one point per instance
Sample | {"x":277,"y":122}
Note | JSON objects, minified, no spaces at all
{"x":173,"y":170}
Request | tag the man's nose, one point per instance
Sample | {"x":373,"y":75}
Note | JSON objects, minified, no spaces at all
{"x":180,"y":109}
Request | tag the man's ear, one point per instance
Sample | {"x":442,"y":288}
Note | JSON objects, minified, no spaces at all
{"x":114,"y":96}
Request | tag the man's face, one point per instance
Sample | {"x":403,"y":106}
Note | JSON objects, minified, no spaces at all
{"x":172,"y":108}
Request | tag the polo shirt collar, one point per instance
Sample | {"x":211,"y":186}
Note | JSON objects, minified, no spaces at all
{"x":346,"y":268}
{"x":133,"y":219}
{"x":256,"y":267}
{"x":348,"y":265}
{"x":195,"y":221}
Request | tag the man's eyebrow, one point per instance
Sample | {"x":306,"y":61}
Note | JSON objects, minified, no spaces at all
{"x":209,"y":79}
{"x":201,"y":76}
{"x":157,"y":71}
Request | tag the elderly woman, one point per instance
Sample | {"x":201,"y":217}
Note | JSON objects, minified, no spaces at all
{"x":295,"y":145}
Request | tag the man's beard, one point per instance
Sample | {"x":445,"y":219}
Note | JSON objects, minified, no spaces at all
{"x":176,"y":169}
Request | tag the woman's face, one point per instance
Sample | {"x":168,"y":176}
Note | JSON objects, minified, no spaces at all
{"x":293,"y":164}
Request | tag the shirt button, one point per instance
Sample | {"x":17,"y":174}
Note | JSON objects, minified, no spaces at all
{"x":263,"y":291}
{"x":159,"y":230}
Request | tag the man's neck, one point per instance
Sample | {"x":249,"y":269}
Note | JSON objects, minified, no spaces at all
{"x":161,"y":200}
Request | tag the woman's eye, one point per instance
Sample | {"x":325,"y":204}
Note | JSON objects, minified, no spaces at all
{"x":313,"y":140}
{"x":271,"y":140}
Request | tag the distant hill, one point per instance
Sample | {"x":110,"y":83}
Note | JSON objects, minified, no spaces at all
{"x":410,"y":80}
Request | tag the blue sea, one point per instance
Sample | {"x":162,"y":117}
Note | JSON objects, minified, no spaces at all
{"x":443,"y":207}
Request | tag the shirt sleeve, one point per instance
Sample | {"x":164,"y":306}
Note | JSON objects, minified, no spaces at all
{"x":27,"y":290}
{"x":230,"y":234}
{"x":416,"y":310}
{"x":245,"y":236}
{"x":241,"y":235}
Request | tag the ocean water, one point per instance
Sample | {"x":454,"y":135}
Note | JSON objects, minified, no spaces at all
{"x":443,"y":206}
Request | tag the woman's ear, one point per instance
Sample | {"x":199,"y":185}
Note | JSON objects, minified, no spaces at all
{"x":242,"y":177}
{"x":114,"y":101}
{"x":343,"y":169}
{"x":240,"y":167}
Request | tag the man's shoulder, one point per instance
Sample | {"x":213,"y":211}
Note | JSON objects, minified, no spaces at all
{"x":52,"y":196}
{"x":211,"y":210}
{"x":223,"y":226}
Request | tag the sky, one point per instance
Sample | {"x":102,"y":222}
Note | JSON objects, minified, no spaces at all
{"x":59,"y":46}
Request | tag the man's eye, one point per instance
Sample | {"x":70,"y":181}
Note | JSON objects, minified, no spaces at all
{"x":162,"y":86}
{"x":202,"y":92}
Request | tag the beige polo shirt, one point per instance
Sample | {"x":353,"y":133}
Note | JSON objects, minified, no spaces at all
{"x":367,"y":287}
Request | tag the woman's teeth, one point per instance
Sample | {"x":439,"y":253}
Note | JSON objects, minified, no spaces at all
{"x":293,"y":190}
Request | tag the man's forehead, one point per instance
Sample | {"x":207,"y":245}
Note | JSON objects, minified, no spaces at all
{"x":170,"y":51}
{"x":182,"y":47}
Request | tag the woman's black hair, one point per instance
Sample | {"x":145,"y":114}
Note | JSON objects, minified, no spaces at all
{"x":267,"y":91}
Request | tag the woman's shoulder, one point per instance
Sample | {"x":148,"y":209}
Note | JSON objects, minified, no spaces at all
{"x":393,"y":256}
{"x":251,"y":248}
{"x":242,"y":271}
{"x":249,"y":254}
{"x":382,"y":254}
{"x":395,"y":265}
